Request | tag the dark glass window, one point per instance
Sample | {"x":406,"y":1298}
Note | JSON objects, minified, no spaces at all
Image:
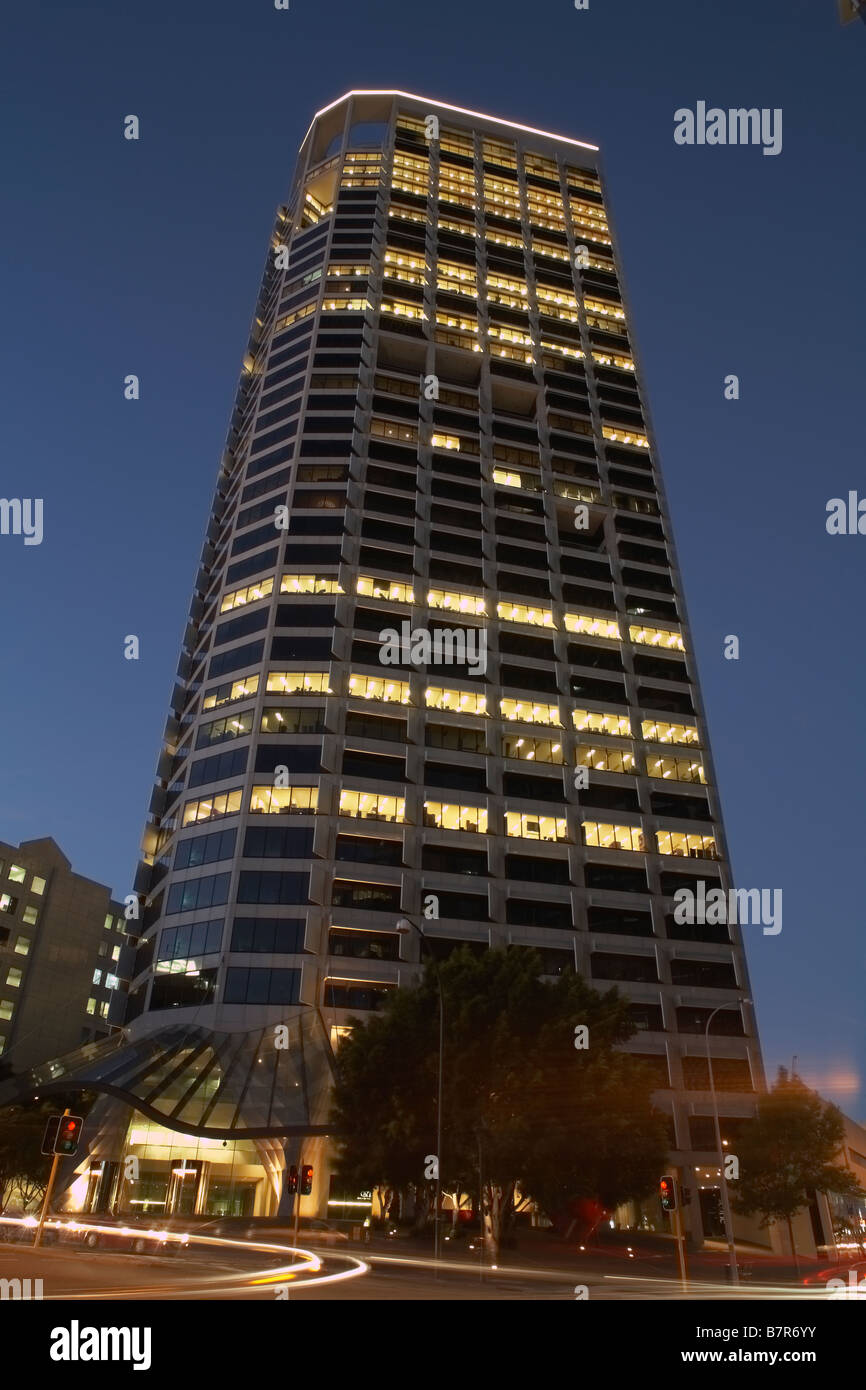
{"x":279,"y":936}
{"x":278,"y":842}
{"x":250,"y":986}
{"x":205,"y":849}
{"x":264,"y":887}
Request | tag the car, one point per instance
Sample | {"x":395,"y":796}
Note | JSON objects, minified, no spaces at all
{"x":272,"y":1229}
{"x":849,"y":1279}
{"x":104,"y":1232}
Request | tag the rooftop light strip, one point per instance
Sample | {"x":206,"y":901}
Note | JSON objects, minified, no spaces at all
{"x":446,"y":106}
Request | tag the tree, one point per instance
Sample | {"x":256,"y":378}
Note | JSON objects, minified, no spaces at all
{"x":787,"y":1151}
{"x":524,"y":1110}
{"x":23,"y":1167}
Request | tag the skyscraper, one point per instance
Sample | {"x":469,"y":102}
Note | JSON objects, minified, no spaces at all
{"x":437,"y":663}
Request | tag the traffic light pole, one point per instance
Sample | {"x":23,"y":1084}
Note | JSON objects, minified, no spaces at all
{"x":37,"y":1239}
{"x":298,"y":1196}
{"x":681,"y":1243}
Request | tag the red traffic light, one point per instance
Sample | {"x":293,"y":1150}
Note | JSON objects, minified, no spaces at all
{"x":668,"y":1193}
{"x":292,"y":1180}
{"x":68,"y":1134}
{"x":306,"y":1180}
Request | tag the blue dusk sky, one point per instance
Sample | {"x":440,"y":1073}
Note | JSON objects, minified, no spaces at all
{"x":145,"y":258}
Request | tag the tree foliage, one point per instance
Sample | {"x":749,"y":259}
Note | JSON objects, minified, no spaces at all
{"x":520,"y":1101}
{"x":788,"y":1151}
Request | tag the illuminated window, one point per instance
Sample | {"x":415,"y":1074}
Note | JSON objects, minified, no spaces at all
{"x":522,"y":613}
{"x":400,"y":308}
{"x":30,"y":915}
{"x":540,"y":750}
{"x":14,"y":976}
{"x":606,"y":308}
{"x":678,"y":769}
{"x":22,"y":946}
{"x":445,"y":441}
{"x":656,"y":637}
{"x":232,"y":690}
{"x":494,"y":152}
{"x":562,"y":349}
{"x":212,"y":807}
{"x":353,"y":305}
{"x":91,"y":1007}
{"x":660,"y":731}
{"x":529,"y":826}
{"x":282,"y":801}
{"x":560,"y":303}
{"x":379,"y":688}
{"x":401,"y":265}
{"x":97,"y":977}
{"x":445,"y":318}
{"x":609,"y":359}
{"x":385,"y":588}
{"x":459,"y":701}
{"x":456,"y":602}
{"x":592,"y":627}
{"x":603,"y":836}
{"x":529,"y":712}
{"x":16,"y":873}
{"x":606,"y":759}
{"x":350,"y":271}
{"x":551,"y":249}
{"x":301,"y":313}
{"x":38,"y":885}
{"x":455,"y":278}
{"x":637,"y":441}
{"x":298,"y":683}
{"x":449,"y":225}
{"x":308,"y":584}
{"x":683,"y":843}
{"x":8,"y":903}
{"x":510,"y":335}
{"x":527,"y":482}
{"x":392,"y":429}
{"x":251,"y":594}
{"x":585,"y":720}
{"x":446,"y":817}
{"x":372,"y":806}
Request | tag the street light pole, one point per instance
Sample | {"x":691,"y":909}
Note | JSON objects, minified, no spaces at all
{"x":726,"y":1205}
{"x":402,"y":926}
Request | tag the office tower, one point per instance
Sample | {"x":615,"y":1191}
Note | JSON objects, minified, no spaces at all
{"x":61,"y":941}
{"x":439,"y":424}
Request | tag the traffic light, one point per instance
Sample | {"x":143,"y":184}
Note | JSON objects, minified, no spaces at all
{"x":49,"y":1138}
{"x":292,"y":1180}
{"x":68,"y":1134}
{"x":668,"y":1193}
{"x":306,"y":1180}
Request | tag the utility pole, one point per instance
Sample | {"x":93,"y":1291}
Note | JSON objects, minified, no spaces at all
{"x":37,"y":1239}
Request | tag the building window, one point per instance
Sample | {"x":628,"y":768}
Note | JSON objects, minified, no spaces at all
{"x":682,"y":843}
{"x":456,"y":602}
{"x":377,"y":688}
{"x":38,"y":885}
{"x":22,"y":946}
{"x":656,"y":637}
{"x":30,"y":915}
{"x":525,"y":712}
{"x":605,"y":836}
{"x":232,"y":690}
{"x":679,"y":769}
{"x":308,"y":583}
{"x":540,"y":750}
{"x":8,"y":903}
{"x":298,"y":683}
{"x":386,"y":589}
{"x":16,"y":873}
{"x":660,"y":731}
{"x":14,"y":976}
{"x":284,"y":801}
{"x":212,"y":807}
{"x":592,"y":627}
{"x":606,"y":759}
{"x":529,"y":826}
{"x":522,"y":613}
{"x":251,"y":594}
{"x":591,"y":720}
{"x":458,"y":701}
{"x":372,"y":806}
{"x":445,"y":816}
